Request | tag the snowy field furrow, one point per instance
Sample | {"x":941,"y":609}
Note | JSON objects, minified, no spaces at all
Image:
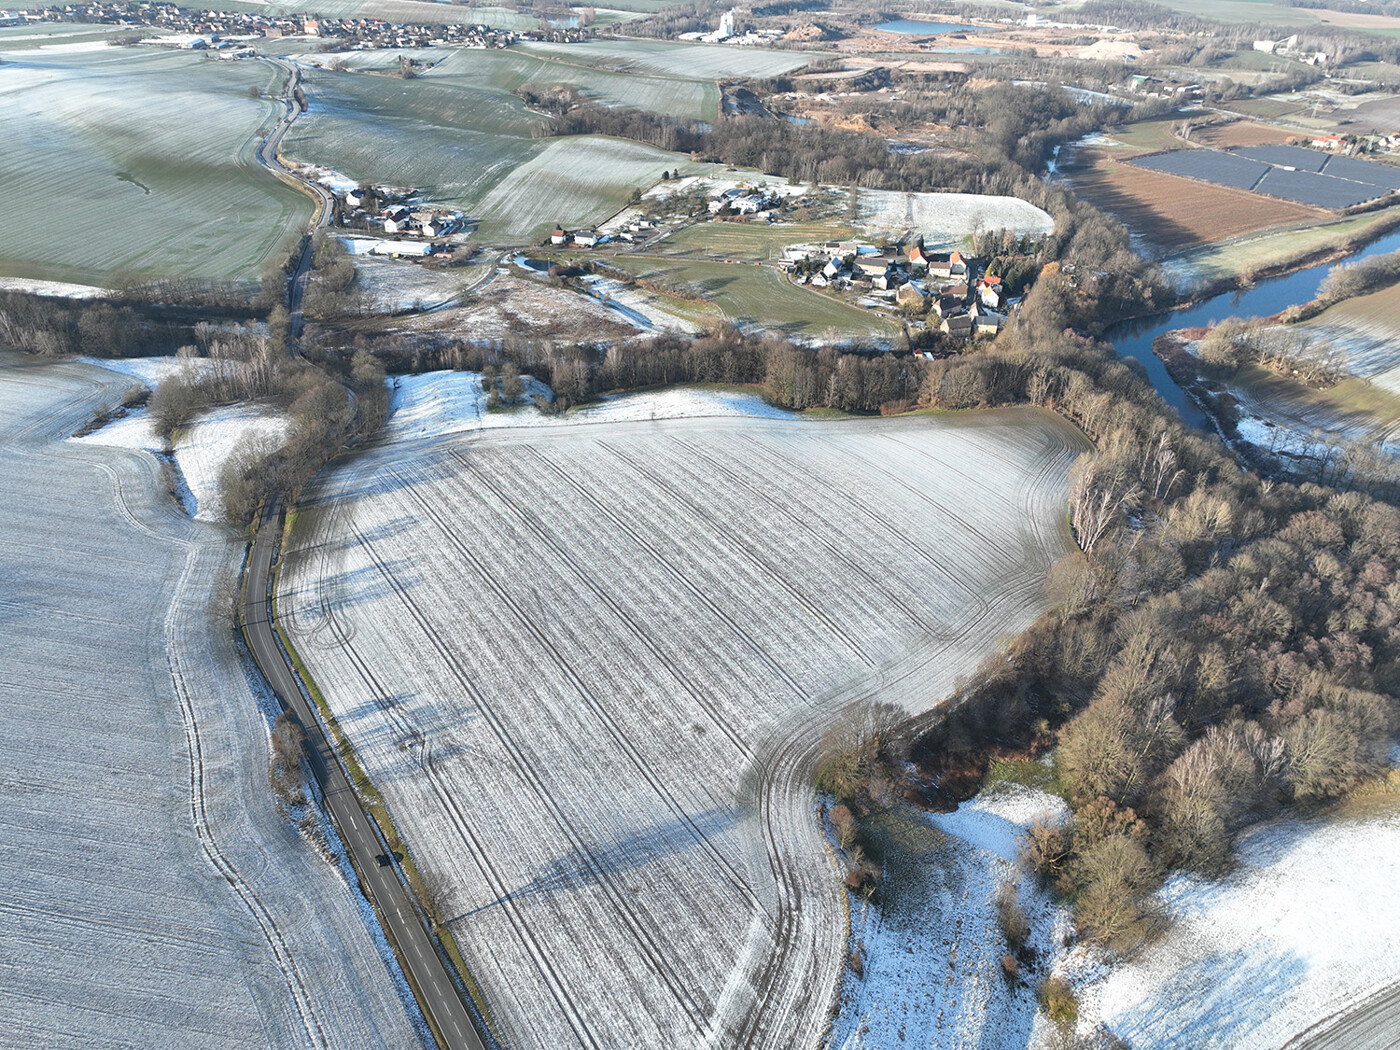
{"x":150,"y":892}
{"x":589,"y":666}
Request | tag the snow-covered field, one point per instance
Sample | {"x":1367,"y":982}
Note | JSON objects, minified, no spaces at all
{"x":588,"y":666}
{"x":394,"y":284}
{"x":203,"y":446}
{"x":436,"y":404}
{"x":150,"y":893}
{"x":103,"y":137}
{"x":1302,"y":930}
{"x":1369,"y":348}
{"x":638,"y":307}
{"x":932,"y":971}
{"x":946,"y":219}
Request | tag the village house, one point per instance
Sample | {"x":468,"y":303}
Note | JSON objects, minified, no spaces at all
{"x":559,"y":236}
{"x":990,"y":291}
{"x":585,"y":240}
{"x":947,"y":264}
{"x":397,"y":219}
{"x":873,"y":265}
{"x":987,"y":323}
{"x":959,"y":327}
{"x":909,"y":292}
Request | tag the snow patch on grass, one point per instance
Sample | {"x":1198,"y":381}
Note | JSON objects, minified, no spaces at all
{"x":1301,"y":930}
{"x":64,"y":289}
{"x":932,"y":957}
{"x":946,"y":219}
{"x":202,"y":447}
{"x":438,"y":403}
{"x":213,"y":438}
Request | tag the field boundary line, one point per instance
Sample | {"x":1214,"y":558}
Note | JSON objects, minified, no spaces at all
{"x":375,"y":812}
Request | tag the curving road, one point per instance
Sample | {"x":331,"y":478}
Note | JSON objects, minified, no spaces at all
{"x":270,"y":157}
{"x":436,"y":990}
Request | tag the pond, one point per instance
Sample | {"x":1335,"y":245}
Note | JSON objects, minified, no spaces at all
{"x":914,"y":27}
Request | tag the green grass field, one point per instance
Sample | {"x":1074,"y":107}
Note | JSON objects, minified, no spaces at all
{"x":118,"y":178}
{"x":760,"y":295}
{"x":1243,"y":11}
{"x":49,"y":34}
{"x":579,"y":181}
{"x":509,"y":70}
{"x":1149,"y":135}
{"x":1268,"y":108}
{"x":1380,"y":308}
{"x":695,"y":61}
{"x":460,"y":137}
{"x":1275,"y":249}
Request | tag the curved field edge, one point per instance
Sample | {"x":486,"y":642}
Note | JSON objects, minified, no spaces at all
{"x":153,"y":892}
{"x":603,"y":759}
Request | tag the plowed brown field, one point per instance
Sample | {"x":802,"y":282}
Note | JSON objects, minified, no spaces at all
{"x":1174,"y":213}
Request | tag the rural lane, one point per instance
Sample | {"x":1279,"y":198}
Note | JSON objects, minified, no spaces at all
{"x":437,"y":991}
{"x":270,"y":157}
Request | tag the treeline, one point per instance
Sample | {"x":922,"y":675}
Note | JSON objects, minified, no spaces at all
{"x":327,"y":405}
{"x":56,"y":326}
{"x":1348,"y":280}
{"x":327,"y":411}
{"x":1340,"y":42}
{"x":792,"y":376}
{"x":1226,"y":645}
{"x":1016,"y":130}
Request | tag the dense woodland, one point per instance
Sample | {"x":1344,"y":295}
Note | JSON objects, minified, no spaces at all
{"x":1006,"y":132}
{"x":1226,"y":644}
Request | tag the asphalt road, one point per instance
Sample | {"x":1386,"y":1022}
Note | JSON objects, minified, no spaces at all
{"x":437,"y":992}
{"x":269,"y":155}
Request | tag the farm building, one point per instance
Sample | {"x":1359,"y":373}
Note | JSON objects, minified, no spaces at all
{"x":947,"y":264}
{"x":399,"y":249}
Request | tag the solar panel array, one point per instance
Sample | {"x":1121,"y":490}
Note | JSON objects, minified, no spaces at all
{"x":1288,"y":172}
{"x":1286,"y":156}
{"x":1208,"y":165}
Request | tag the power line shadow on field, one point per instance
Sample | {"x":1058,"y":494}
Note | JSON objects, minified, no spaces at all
{"x":369,"y":583}
{"x":639,"y":851}
{"x":393,"y":723}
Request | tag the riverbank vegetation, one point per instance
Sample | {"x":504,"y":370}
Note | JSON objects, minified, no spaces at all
{"x":1225,"y":646}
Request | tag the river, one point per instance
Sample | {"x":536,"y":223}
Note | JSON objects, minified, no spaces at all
{"x":1134,"y":338}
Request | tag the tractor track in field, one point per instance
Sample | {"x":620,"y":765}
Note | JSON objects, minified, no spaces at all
{"x":644,"y":938}
{"x":198,"y":801}
{"x":803,"y":523}
{"x":745,"y":639}
{"x":772,"y":985}
{"x":532,"y":521}
{"x":442,"y":790}
{"x":734,"y":878}
{"x":744,"y":549}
